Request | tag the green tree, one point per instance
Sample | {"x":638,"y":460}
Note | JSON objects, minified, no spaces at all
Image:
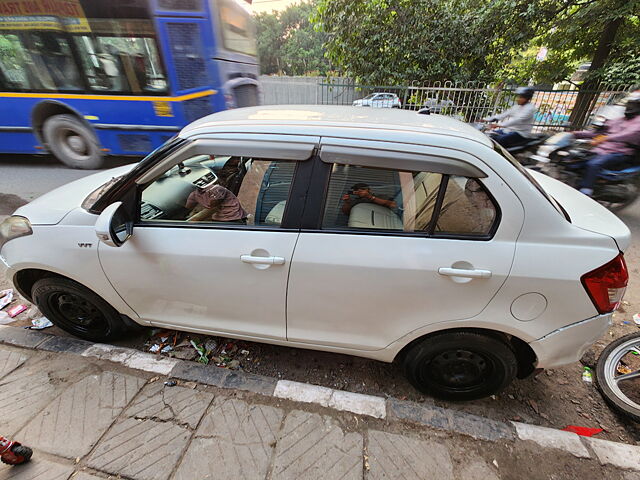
{"x":289,"y":44}
{"x":396,"y":41}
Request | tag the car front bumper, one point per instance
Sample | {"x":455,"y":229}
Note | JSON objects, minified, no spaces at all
{"x":568,"y":344}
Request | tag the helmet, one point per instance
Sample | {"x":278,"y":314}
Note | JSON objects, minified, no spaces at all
{"x":632,"y":107}
{"x":525,"y":92}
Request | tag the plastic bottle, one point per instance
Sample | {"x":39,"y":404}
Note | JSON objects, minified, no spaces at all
{"x":586,"y":375}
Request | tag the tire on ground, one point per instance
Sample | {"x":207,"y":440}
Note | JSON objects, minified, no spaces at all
{"x":461,"y":365}
{"x":72,"y":142}
{"x":609,"y":395}
{"x":77,"y":310}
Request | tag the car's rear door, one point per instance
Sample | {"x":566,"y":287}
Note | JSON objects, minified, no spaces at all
{"x":362,"y":279}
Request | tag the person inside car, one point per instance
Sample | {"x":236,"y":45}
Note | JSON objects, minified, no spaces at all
{"x":218,"y":203}
{"x":619,"y":144}
{"x":362,"y":194}
{"x":513,"y":126}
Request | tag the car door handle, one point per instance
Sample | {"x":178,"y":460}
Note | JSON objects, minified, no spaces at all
{"x":262,"y":260}
{"x":460,"y":272}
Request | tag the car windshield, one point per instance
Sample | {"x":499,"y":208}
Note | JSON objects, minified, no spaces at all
{"x":369,"y":97}
{"x":498,"y":148}
{"x":90,"y":203}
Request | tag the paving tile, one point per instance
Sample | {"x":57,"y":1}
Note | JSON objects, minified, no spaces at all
{"x":36,"y":469}
{"x":235,"y":440}
{"x":10,"y":360}
{"x":140,"y":449}
{"x":404,"y":457}
{"x":81,"y":414}
{"x":311,"y":446}
{"x":86,"y":476}
{"x":159,"y":402}
{"x":476,"y":469}
{"x":28,"y":390}
{"x":148,"y":443}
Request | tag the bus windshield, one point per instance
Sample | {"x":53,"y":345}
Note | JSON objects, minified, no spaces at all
{"x":237,"y":27}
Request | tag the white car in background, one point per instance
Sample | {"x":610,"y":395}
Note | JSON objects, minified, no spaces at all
{"x":379,"y":100}
{"x":387,"y":235}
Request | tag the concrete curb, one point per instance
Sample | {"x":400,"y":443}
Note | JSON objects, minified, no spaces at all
{"x":391,"y":409}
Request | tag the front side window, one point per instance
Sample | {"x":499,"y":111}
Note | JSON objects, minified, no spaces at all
{"x":363,"y":198}
{"x":220,"y":190}
{"x":121,"y":56}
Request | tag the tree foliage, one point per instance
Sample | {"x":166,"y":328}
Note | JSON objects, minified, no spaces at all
{"x":289,"y":44}
{"x":397,"y":41}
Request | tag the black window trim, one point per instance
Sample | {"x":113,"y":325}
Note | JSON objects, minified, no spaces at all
{"x":316,"y":203}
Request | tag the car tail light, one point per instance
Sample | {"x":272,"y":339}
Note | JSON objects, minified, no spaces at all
{"x":606,"y":284}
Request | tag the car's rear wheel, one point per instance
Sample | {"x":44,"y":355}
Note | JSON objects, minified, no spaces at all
{"x":72,"y":142}
{"x":77,"y":310}
{"x":460,"y":365}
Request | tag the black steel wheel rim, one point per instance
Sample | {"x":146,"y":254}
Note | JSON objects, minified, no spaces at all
{"x":459,"y":370}
{"x":77,"y":314}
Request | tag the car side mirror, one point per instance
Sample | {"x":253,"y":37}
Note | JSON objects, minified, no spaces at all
{"x":113,"y":226}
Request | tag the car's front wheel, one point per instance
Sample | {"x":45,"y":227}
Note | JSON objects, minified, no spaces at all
{"x":77,"y":310}
{"x":460,"y":365}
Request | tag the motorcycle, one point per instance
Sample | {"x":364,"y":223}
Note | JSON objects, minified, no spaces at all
{"x":520,"y":152}
{"x":617,"y":374}
{"x":565,"y":158}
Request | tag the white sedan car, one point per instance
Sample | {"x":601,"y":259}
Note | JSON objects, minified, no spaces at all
{"x":379,"y":100}
{"x":392,"y":236}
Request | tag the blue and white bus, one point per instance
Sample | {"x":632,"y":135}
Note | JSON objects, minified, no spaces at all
{"x":82,"y":79}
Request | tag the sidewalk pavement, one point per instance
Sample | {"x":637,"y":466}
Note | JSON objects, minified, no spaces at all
{"x":96,"y":412}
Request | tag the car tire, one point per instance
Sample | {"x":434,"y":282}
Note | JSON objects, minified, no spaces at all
{"x":72,"y":142}
{"x":77,"y":310}
{"x":460,"y":365}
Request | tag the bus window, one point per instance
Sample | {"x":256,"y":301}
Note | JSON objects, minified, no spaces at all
{"x":53,"y":61}
{"x":13,"y":63}
{"x":237,"y":28}
{"x":122,"y":63}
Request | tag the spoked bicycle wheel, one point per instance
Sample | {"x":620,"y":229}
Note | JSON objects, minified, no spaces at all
{"x":618,"y":375}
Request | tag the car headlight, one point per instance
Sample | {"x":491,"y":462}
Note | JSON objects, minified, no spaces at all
{"x":14,"y":227}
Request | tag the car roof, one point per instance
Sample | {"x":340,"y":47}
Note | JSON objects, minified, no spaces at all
{"x":349,"y":121}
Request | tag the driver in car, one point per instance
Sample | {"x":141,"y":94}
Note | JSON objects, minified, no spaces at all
{"x":221,"y":202}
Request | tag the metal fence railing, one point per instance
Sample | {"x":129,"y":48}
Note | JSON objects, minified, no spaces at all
{"x":468,"y":102}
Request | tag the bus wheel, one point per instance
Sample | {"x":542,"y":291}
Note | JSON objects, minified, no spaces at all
{"x":72,"y":142}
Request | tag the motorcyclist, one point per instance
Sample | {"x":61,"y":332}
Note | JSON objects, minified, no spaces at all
{"x":514,"y":125}
{"x":618,"y":145}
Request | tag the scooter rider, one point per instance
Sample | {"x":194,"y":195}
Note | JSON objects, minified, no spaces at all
{"x":618,"y":145}
{"x":515,"y":124}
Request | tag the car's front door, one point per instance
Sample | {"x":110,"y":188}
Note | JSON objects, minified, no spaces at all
{"x":419,"y":248}
{"x":211,"y":248}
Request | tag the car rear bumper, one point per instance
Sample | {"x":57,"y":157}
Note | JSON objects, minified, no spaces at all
{"x":568,"y":344}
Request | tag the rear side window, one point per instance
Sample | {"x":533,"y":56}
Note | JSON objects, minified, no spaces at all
{"x":375,"y":199}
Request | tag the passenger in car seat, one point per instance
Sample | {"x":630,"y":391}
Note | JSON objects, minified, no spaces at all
{"x":221,"y":204}
{"x":362,"y":193}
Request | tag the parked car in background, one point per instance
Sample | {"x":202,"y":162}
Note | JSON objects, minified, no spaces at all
{"x":379,"y":100}
{"x":382,"y":234}
{"x":436,"y":105}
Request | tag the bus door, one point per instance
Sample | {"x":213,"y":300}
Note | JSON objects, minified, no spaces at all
{"x":187,"y":45}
